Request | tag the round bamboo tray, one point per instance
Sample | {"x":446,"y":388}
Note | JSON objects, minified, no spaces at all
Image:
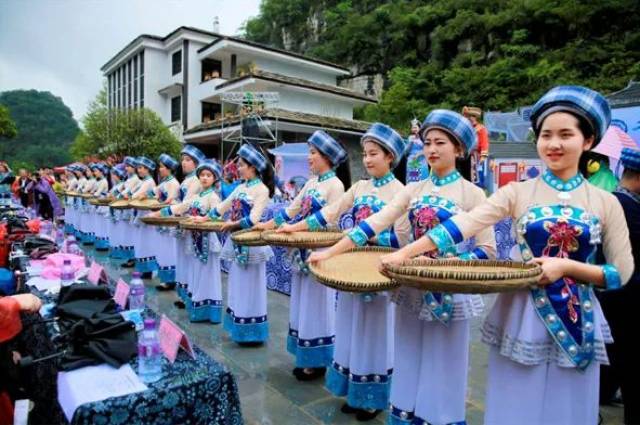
{"x":162,"y":221}
{"x":356,"y":270}
{"x":121,"y":204}
{"x":100,"y":202}
{"x":146,"y":205}
{"x":306,"y":240}
{"x":248,"y":237}
{"x":207,"y":226}
{"x":465,"y":277}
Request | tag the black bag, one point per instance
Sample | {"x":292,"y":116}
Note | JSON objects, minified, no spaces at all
{"x":93,"y":331}
{"x":35,"y":243}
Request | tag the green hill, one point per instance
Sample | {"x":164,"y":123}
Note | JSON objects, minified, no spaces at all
{"x":46,"y":129}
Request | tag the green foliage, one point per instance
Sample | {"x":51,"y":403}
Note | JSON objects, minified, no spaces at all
{"x":45,"y":128}
{"x":122,"y":132}
{"x":18,"y":164}
{"x":497,"y":54}
{"x":7,"y":126}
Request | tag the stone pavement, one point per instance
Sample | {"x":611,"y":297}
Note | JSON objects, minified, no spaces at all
{"x":269,"y":393}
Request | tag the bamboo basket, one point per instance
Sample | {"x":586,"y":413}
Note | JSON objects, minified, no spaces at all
{"x":305,"y":240}
{"x":146,"y":205}
{"x":172,"y":221}
{"x":465,"y":277}
{"x":207,"y":226}
{"x":248,"y":237}
{"x":356,"y":270}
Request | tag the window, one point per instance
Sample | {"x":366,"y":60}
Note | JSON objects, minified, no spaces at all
{"x":109,"y":91}
{"x":118,"y":87}
{"x":142,"y":79}
{"x":176,"y":62}
{"x":210,"y":110}
{"x":129,"y":97}
{"x":176,"y":102}
{"x":211,"y":69}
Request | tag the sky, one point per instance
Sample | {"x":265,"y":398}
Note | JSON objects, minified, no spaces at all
{"x":60,"y":45}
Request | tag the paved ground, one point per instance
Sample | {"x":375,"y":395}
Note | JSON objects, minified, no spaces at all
{"x":269,"y":394}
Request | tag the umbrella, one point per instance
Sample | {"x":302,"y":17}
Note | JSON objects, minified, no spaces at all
{"x":613,"y":141}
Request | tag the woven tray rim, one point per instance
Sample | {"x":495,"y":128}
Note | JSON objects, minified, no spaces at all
{"x":99,"y":202}
{"x":162,"y":221}
{"x":326,"y":238}
{"x":138,"y":205}
{"x":124,"y":204}
{"x":253,"y":242}
{"x":207,"y":226}
{"x":415,"y":273}
{"x":350,"y":286}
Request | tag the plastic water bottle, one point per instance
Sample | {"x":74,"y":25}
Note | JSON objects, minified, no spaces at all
{"x":59,"y":237}
{"x":149,"y":353}
{"x":67,"y":276}
{"x":136,"y":295}
{"x":72,"y":247}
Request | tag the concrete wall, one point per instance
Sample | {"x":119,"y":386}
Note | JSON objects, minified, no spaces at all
{"x":292,"y":99}
{"x":294,"y":70}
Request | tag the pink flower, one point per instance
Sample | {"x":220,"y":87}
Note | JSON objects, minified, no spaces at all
{"x":363,"y":213}
{"x":306,"y":205}
{"x":562,"y":236}
{"x":236,"y":209}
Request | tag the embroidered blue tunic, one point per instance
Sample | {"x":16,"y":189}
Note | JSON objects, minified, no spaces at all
{"x":554,"y":218}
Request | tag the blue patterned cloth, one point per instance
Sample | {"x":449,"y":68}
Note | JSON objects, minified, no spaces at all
{"x":191,"y":391}
{"x":255,"y":158}
{"x":146,"y":162}
{"x":329,"y":147}
{"x":211,"y":165}
{"x":583,"y":101}
{"x":168,"y":161}
{"x":630,"y":158}
{"x":388,"y":138}
{"x":364,"y":391}
{"x":130,"y":161}
{"x":454,"y":124}
{"x":193,"y":152}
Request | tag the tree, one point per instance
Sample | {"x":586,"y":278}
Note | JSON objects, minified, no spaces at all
{"x":7,"y":126}
{"x":45,"y":128}
{"x":122,"y":132}
{"x":447,"y":53}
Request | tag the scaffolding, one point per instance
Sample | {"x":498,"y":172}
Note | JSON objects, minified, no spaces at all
{"x":248,"y":106}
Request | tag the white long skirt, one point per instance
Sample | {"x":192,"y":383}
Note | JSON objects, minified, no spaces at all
{"x":165,"y":251}
{"x":205,"y":284}
{"x":311,"y":321}
{"x":246,"y":317}
{"x":142,"y":236}
{"x":544,"y":394}
{"x":430,"y":372}
{"x":363,"y":356}
{"x":183,"y":256}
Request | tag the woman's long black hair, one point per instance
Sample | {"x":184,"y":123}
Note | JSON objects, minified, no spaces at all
{"x":343,"y":171}
{"x":267,"y":176}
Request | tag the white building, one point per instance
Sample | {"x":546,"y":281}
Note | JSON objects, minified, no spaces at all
{"x":182,"y":76}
